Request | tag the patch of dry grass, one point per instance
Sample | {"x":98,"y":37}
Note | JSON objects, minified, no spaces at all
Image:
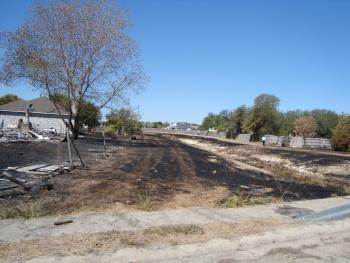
{"x":146,"y":200}
{"x":24,"y":210}
{"x":234,"y":201}
{"x":81,"y":244}
{"x":346,"y":189}
{"x":174,"y":230}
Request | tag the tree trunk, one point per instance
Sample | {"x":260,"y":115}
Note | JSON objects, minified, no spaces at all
{"x":73,"y":128}
{"x":75,"y":132}
{"x":255,"y":136}
{"x":74,"y":125}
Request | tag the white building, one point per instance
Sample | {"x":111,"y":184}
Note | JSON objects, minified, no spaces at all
{"x":43,"y":115}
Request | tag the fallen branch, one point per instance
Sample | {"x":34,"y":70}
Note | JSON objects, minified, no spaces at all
{"x":62,"y":222}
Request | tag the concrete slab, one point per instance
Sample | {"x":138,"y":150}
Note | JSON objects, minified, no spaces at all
{"x":326,"y":242}
{"x":18,"y":229}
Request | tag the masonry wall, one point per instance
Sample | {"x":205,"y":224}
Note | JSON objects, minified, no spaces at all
{"x":189,"y":132}
{"x":299,"y":142}
{"x":40,"y":121}
{"x":244,"y":137}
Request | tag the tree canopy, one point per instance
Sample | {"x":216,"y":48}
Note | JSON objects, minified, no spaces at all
{"x":124,"y":119}
{"x":341,"y":134}
{"x":76,"y":48}
{"x":88,"y":113}
{"x":8,"y":98}
{"x":305,"y":126}
{"x":263,"y":114}
{"x":264,"y":117}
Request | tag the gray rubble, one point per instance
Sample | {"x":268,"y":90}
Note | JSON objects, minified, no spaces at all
{"x":11,"y":135}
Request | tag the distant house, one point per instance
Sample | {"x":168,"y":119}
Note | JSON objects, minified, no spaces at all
{"x":43,"y":114}
{"x":183,"y":126}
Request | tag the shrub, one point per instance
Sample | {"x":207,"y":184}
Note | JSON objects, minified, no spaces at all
{"x":25,"y":210}
{"x":341,"y":135}
{"x":110,"y":131}
{"x":234,"y":201}
{"x":146,"y":200}
{"x":341,"y":141}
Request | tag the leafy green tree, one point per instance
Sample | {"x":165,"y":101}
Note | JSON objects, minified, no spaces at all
{"x":157,"y":124}
{"x":123,"y":120}
{"x":209,"y":122}
{"x":263,"y":115}
{"x":236,"y":119}
{"x":88,"y":113}
{"x":216,"y":121}
{"x":8,"y":98}
{"x":222,"y":120}
{"x":326,"y":121}
{"x":341,"y":134}
{"x":287,"y":120}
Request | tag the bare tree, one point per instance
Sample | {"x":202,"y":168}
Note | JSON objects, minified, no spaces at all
{"x":77,"y":48}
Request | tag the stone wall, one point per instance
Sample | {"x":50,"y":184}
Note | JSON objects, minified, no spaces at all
{"x":299,"y":142}
{"x":187,"y":132}
{"x":296,"y":142}
{"x":318,"y":143}
{"x":272,"y":139}
{"x":40,"y":121}
{"x":244,"y":137}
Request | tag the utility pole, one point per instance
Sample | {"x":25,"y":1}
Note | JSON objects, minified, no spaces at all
{"x":69,"y":149}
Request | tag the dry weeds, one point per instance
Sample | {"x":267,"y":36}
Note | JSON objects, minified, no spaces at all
{"x":81,"y":244}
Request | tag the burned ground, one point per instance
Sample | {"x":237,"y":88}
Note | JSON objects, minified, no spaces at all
{"x":172,"y":174}
{"x":22,"y":153}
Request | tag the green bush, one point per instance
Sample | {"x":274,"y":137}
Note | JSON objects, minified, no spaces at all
{"x":341,"y":135}
{"x":110,"y":131}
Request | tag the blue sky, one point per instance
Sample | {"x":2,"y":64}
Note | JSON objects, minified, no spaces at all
{"x":204,"y":56}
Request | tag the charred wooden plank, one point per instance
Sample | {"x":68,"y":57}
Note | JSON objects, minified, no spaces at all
{"x":16,"y":180}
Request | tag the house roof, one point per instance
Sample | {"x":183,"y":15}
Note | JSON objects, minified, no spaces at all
{"x":41,"y":104}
